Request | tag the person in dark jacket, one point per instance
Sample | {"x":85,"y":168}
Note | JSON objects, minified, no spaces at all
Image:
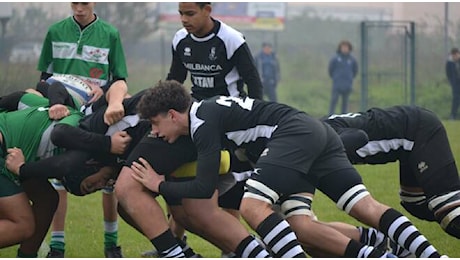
{"x":342,"y":70}
{"x":269,"y":70}
{"x":453,"y":75}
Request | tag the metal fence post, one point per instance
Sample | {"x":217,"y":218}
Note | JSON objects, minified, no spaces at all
{"x":364,"y":72}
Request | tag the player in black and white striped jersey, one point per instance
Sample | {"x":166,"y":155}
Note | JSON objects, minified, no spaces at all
{"x":294,"y":154}
{"x":414,"y":136}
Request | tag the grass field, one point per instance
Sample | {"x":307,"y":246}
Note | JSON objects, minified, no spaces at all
{"x":84,"y":229}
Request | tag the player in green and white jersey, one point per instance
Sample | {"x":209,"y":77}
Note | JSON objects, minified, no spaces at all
{"x":29,"y":130}
{"x":90,"y":48}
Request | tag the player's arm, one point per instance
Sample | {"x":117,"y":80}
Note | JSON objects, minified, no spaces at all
{"x":177,"y":71}
{"x":118,"y":90}
{"x":57,"y":166}
{"x":46,"y":58}
{"x":10,"y":102}
{"x":203,"y":185}
{"x":244,"y":62}
{"x":353,"y":139}
{"x":205,"y":182}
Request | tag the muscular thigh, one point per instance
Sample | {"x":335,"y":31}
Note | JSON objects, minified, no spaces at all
{"x":15,"y":206}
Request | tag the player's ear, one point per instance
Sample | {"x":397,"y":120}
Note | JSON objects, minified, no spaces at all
{"x":207,"y":8}
{"x":172,"y":114}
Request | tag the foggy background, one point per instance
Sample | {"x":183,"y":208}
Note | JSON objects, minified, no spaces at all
{"x":309,"y":39}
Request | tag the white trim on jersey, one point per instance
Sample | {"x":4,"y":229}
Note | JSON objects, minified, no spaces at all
{"x":179,"y":36}
{"x":195,"y":122}
{"x":231,"y":37}
{"x":374,"y":147}
{"x":251,"y":134}
{"x":231,"y":79}
{"x":123,"y":124}
{"x":204,"y":39}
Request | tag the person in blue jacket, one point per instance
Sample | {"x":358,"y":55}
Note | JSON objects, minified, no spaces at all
{"x":342,"y":70}
{"x":453,"y":75}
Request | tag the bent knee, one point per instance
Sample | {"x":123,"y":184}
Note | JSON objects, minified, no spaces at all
{"x":126,"y":184}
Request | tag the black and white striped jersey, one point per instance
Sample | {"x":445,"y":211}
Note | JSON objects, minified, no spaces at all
{"x":389,"y":132}
{"x":219,"y":63}
{"x":228,"y":122}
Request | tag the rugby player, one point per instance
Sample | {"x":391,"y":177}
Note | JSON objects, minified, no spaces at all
{"x":219,"y":62}
{"x":414,"y":136}
{"x":281,"y":140}
{"x":27,"y":130}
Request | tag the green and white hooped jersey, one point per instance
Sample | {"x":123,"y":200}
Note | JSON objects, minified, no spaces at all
{"x":30,"y":130}
{"x":94,"y":53}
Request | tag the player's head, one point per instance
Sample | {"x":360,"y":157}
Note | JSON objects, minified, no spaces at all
{"x":83,"y":12}
{"x":166,"y":106}
{"x":345,"y":47}
{"x":196,"y":17}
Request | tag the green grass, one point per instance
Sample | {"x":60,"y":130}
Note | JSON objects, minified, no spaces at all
{"x":84,"y":229}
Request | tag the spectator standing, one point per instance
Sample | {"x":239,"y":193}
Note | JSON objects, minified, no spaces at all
{"x":86,"y":46}
{"x":342,"y":70}
{"x":453,"y":75}
{"x":269,"y":70}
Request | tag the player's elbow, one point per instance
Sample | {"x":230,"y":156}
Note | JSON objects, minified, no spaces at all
{"x":205,"y":191}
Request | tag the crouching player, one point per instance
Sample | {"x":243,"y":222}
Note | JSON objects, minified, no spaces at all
{"x":27,"y":130}
{"x":414,"y":136}
{"x":295,"y":154}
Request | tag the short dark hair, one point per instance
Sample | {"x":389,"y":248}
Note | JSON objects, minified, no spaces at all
{"x":203,"y":4}
{"x":345,"y":42}
{"x":454,"y":51}
{"x":166,"y":95}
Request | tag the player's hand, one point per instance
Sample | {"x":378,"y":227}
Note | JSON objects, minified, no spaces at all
{"x":119,"y":142}
{"x":96,"y":92}
{"x":146,"y":175}
{"x":114,"y":113}
{"x":58,"y":111}
{"x":14,"y":160}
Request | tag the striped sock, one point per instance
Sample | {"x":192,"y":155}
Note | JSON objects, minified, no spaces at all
{"x":278,"y":236}
{"x":357,"y":250}
{"x":400,"y":229}
{"x":250,"y":248}
{"x":167,"y":246}
{"x":57,"y":241}
{"x":110,"y":234}
{"x":373,"y":237}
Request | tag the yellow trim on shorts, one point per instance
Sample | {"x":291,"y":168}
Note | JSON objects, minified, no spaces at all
{"x":189,"y":169}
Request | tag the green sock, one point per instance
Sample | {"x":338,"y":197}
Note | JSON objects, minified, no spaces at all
{"x":110,"y":234}
{"x":24,"y":255}
{"x":57,"y":241}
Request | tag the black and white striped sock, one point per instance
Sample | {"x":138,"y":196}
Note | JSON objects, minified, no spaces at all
{"x":400,"y":229}
{"x":250,"y":248}
{"x":356,"y":249}
{"x":373,"y":237}
{"x":167,"y":245}
{"x":279,"y":237}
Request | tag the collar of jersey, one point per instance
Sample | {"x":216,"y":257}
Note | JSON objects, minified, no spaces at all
{"x":211,"y":34}
{"x":88,"y":25}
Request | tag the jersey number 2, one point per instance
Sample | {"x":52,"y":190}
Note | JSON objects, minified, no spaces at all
{"x":243,"y":103}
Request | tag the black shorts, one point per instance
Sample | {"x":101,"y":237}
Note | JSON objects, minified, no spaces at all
{"x":301,"y":154}
{"x":431,"y":164}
